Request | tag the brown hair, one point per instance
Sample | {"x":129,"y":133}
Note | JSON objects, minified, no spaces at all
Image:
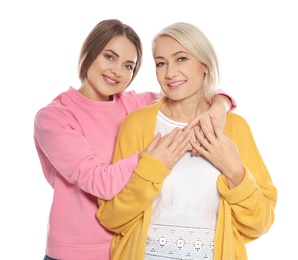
{"x":99,"y":37}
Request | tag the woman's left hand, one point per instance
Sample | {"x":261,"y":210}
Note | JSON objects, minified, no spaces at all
{"x":219,"y":149}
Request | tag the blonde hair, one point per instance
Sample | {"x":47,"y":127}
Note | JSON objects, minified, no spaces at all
{"x":198,"y":45}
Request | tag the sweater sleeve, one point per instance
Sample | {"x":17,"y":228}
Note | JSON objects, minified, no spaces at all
{"x":253,"y":201}
{"x":63,"y":149}
{"x":126,"y":208}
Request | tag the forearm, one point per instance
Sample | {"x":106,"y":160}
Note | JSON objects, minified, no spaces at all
{"x":61,"y":146}
{"x":224,"y":99}
{"x":128,"y":206}
{"x":221,"y":103}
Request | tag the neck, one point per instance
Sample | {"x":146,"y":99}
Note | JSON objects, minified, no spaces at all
{"x":184,"y":111}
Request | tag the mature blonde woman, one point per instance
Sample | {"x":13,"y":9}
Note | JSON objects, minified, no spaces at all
{"x":205,"y":207}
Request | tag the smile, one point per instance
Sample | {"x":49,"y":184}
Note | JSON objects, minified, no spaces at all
{"x":176,"y":84}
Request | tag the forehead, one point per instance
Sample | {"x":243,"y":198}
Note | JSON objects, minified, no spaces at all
{"x":166,"y":45}
{"x":123,"y":47}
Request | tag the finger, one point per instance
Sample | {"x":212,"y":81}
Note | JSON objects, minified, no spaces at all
{"x":200,"y":137}
{"x":180,"y":151}
{"x":196,"y":143}
{"x":198,"y":149}
{"x":217,"y":128}
{"x":181,"y":139}
{"x":154,"y":142}
{"x":202,"y":145}
{"x":194,"y":152}
{"x":180,"y":142}
{"x":177,"y":149}
{"x":169,"y":138}
{"x":206,"y":131}
{"x":193,"y":123}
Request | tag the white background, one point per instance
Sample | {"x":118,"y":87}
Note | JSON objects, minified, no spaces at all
{"x":256,"y":43}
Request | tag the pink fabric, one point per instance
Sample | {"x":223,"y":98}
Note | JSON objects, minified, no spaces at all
{"x":75,"y":139}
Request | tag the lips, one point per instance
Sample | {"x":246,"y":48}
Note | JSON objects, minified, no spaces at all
{"x":110,"y":81}
{"x":176,"y":84}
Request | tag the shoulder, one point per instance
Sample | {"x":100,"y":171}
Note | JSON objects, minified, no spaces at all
{"x":56,"y":110}
{"x":132,"y":100}
{"x":144,"y":115}
{"x":233,"y":118}
{"x":133,"y":93}
{"x":236,"y":125}
{"x":148,"y":110}
{"x":146,"y":97}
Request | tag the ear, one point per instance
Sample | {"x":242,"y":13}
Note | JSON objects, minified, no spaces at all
{"x":205,"y":69}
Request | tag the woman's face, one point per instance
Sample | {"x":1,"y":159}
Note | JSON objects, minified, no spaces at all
{"x":179,"y":74}
{"x":111,"y":71}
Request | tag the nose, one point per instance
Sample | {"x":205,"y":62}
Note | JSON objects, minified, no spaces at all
{"x":171,"y":72}
{"x":117,"y":71}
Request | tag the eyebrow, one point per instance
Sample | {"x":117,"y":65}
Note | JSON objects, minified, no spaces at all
{"x":117,"y":55}
{"x":173,"y":55}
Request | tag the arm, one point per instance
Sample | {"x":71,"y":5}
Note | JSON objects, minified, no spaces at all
{"x":254,"y":200}
{"x":227,"y":100}
{"x":252,"y":205}
{"x":245,"y":183}
{"x":221,"y":103}
{"x":64,"y":149}
{"x":127,"y":208}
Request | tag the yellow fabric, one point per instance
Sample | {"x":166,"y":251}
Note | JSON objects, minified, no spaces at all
{"x":245,"y":212}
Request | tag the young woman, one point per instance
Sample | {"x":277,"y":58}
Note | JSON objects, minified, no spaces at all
{"x":75,"y":137}
{"x":205,"y":207}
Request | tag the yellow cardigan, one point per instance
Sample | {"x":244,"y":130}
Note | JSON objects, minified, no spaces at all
{"x":245,"y":212}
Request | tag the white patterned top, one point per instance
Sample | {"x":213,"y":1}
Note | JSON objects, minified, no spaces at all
{"x":184,"y":215}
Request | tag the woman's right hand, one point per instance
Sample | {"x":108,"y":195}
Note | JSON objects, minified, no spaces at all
{"x":169,"y":148}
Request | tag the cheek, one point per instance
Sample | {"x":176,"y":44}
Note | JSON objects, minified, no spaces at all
{"x":89,"y":74}
{"x":159,"y":78}
{"x":127,"y":77}
{"x":163,"y":86}
{"x":159,"y":75}
{"x":200,"y":75}
{"x":94,"y":68}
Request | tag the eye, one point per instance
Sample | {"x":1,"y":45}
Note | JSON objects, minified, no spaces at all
{"x":109,"y":57}
{"x":160,"y":64}
{"x":182,"y":59}
{"x":129,"y":67}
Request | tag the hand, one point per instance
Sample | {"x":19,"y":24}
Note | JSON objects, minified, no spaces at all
{"x":169,"y":148}
{"x":220,"y":150}
{"x":219,"y":110}
{"x":190,"y":128}
{"x":220,"y":106}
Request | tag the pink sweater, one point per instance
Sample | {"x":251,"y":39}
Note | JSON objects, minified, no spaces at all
{"x":75,"y":139}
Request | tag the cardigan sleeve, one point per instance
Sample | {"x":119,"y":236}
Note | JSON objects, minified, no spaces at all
{"x":253,"y":201}
{"x":126,"y":208}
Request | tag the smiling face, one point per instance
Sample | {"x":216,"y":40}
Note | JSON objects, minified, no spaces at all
{"x":112,"y":70}
{"x":179,"y":74}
